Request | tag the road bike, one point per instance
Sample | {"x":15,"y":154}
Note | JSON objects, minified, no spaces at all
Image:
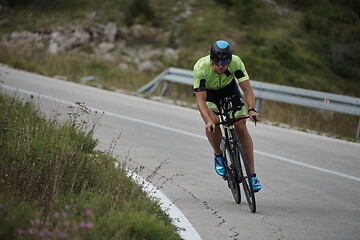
{"x":237,"y":168}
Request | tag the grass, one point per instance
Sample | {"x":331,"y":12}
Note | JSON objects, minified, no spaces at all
{"x":55,"y":184}
{"x":306,"y":119}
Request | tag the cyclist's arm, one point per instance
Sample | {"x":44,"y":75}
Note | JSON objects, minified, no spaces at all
{"x":204,"y":110}
{"x":249,"y":98}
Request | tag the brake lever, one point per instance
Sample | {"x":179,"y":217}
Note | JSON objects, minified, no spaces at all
{"x":255,"y":119}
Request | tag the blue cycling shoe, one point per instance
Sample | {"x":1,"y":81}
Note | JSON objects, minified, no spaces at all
{"x":219,"y":165}
{"x":255,"y":183}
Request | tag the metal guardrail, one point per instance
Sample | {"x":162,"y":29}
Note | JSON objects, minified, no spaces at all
{"x":279,"y":93}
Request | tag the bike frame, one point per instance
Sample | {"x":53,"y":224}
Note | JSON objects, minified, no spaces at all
{"x":236,"y":152}
{"x":231,"y":141}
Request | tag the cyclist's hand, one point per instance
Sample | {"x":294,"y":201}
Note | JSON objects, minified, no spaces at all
{"x":254,"y":116}
{"x":210,"y":126}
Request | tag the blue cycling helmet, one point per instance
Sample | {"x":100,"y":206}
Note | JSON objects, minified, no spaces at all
{"x":221,"y":52}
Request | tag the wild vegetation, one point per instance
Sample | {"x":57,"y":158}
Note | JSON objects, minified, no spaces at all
{"x":54,"y":184}
{"x":307,"y":44}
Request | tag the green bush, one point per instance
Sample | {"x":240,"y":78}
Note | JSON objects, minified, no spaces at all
{"x":336,"y":27}
{"x":135,"y":225}
{"x":43,"y":4}
{"x":250,"y":12}
{"x":256,"y":12}
{"x":14,"y":3}
{"x":14,"y":216}
{"x":140,"y":12}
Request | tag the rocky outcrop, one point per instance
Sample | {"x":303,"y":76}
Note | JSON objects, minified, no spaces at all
{"x":125,"y":45}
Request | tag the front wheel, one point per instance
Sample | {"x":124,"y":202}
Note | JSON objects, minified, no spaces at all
{"x":245,"y":178}
{"x":231,"y":175}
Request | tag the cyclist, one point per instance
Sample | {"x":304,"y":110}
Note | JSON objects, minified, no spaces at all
{"x":217,"y":76}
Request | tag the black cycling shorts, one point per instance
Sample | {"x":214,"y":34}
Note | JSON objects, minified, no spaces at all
{"x":213,"y":97}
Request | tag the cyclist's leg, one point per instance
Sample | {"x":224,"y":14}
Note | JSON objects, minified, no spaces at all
{"x":246,"y":141}
{"x":214,"y":138}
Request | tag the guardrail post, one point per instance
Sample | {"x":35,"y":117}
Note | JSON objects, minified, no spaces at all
{"x":150,"y":87}
{"x":165,"y":88}
{"x":358,"y":131}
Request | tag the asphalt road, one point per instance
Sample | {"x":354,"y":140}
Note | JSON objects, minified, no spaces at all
{"x":311,"y":183}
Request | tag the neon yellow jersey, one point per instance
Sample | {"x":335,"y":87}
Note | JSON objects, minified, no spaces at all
{"x":206,"y":78}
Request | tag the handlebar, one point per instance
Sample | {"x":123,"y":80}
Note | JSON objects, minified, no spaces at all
{"x":227,"y":106}
{"x":231,"y":121}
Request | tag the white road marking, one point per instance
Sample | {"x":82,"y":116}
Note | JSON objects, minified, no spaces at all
{"x":284,"y":159}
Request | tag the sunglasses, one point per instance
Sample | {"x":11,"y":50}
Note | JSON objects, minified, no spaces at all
{"x":223,"y":62}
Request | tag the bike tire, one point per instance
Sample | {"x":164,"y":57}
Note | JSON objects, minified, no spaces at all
{"x":245,"y":179}
{"x":232,"y":174}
